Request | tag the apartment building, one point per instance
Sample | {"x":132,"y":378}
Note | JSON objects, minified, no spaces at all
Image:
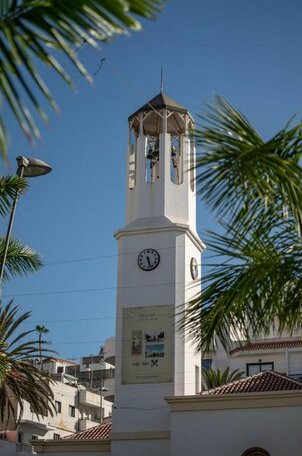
{"x":78,"y":406}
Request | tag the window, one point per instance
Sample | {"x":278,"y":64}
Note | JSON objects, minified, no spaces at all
{"x":56,"y":437}
{"x":255,"y":368}
{"x":20,"y":437}
{"x":60,"y":369}
{"x":58,"y":406}
{"x":72,"y":410}
{"x":206,"y":363}
{"x":255,"y":452}
{"x":34,"y":437}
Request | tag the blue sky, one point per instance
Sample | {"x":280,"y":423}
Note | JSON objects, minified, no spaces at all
{"x":247,"y":51}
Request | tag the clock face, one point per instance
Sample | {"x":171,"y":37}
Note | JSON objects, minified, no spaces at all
{"x":148,"y":259}
{"x":194,"y":268}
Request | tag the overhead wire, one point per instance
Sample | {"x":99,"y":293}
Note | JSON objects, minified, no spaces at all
{"x":86,"y":290}
{"x":128,"y":83}
{"x":110,"y":255}
{"x":66,"y":320}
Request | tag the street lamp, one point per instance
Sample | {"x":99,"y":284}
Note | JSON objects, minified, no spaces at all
{"x":27,"y":167}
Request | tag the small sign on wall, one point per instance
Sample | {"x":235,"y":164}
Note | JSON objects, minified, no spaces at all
{"x":147,"y":345}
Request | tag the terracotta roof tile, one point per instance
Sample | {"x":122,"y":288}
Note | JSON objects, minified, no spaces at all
{"x":100,"y":432}
{"x":268,"y":345}
{"x":267,"y":381}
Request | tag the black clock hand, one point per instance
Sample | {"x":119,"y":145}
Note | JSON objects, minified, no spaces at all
{"x":148,"y":261}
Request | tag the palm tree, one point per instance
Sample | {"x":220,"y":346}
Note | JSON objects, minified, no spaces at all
{"x":212,"y":378}
{"x":38,"y":31}
{"x":41,"y":330}
{"x":21,"y":259}
{"x":254,"y":188}
{"x":19,"y":377}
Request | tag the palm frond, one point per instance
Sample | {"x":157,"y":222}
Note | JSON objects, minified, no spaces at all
{"x":21,"y":259}
{"x":9,"y":187}
{"x":238,"y":172}
{"x":253,"y":284}
{"x":212,"y":378}
{"x":20,"y":379}
{"x":41,"y":329}
{"x":35,"y":30}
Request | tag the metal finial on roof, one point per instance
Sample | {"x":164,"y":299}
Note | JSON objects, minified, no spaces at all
{"x":161,"y":81}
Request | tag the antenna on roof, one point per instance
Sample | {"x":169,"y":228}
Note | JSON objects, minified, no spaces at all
{"x":161,"y":81}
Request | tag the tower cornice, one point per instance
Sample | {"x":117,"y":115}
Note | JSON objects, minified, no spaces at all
{"x":180,"y":227}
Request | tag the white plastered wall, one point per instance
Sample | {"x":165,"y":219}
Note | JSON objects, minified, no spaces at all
{"x":162,"y":198}
{"x":278,"y":430}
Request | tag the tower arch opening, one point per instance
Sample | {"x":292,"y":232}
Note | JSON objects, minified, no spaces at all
{"x":157,"y":116}
{"x":132,"y":158}
{"x":176,"y":159}
{"x":152,"y":159}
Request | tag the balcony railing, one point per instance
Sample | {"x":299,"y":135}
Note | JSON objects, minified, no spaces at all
{"x":93,"y":380}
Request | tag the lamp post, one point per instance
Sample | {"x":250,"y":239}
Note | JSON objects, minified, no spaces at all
{"x":27,"y":167}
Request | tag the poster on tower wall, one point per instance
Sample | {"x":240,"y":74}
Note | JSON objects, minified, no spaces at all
{"x":147,"y":345}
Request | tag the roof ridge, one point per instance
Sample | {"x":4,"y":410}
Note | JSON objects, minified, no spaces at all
{"x":98,"y":427}
{"x":251,"y":378}
{"x":235,"y":382}
{"x":284,"y":376}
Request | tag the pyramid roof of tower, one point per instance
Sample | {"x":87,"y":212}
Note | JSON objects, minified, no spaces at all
{"x":160,"y":101}
{"x":268,"y":381}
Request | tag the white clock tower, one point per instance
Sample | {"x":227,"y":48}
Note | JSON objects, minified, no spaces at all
{"x":158,"y":273}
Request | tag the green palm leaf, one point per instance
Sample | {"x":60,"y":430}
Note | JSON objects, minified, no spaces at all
{"x":254,"y":283}
{"x":212,"y":378}
{"x":38,"y":30}
{"x":19,"y":377}
{"x":21,"y":259}
{"x":9,"y":187}
{"x":240,"y":174}
{"x":255,"y":187}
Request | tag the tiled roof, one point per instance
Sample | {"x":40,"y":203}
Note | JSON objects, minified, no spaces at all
{"x":101,"y":432}
{"x":268,"y":345}
{"x":267,"y":381}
